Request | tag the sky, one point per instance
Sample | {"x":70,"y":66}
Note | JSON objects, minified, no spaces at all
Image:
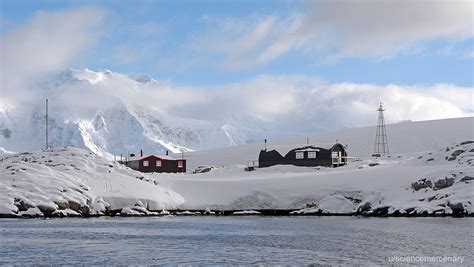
{"x":416,"y":56}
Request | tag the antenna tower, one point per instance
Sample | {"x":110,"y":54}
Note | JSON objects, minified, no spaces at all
{"x":381,"y":142}
{"x":46,"y":122}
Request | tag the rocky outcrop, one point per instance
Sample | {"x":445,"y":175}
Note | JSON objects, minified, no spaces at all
{"x":421,"y":184}
{"x":443,"y":183}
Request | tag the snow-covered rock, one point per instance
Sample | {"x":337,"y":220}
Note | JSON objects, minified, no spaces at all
{"x":246,"y":212}
{"x":72,"y":181}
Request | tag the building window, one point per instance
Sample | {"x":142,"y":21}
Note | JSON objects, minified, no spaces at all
{"x":158,"y":163}
{"x":299,"y":155}
{"x":311,"y":154}
{"x":334,"y":154}
{"x":145,"y":163}
{"x":180,"y":164}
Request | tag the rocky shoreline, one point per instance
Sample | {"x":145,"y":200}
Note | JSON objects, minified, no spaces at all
{"x":140,"y":212}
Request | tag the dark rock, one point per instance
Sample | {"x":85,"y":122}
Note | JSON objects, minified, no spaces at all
{"x":396,"y":213}
{"x":458,"y":208}
{"x":9,"y":215}
{"x":420,"y":184}
{"x":410,"y":210}
{"x":455,"y":154}
{"x":424,"y":213}
{"x":353,"y":200}
{"x":84,"y":210}
{"x":381,"y":211}
{"x":46,"y":210}
{"x":30,"y":215}
{"x":430,"y":159}
{"x":373,"y":164}
{"x":22,"y":205}
{"x":466,"y":178}
{"x":58,"y":214}
{"x":62,"y":205}
{"x":74,"y":206}
{"x":364,"y":208}
{"x":443,"y":183}
{"x":467,"y":142}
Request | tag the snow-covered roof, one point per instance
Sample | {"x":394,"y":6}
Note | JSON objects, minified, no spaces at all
{"x":146,"y":156}
{"x":284,"y":149}
{"x":307,"y":149}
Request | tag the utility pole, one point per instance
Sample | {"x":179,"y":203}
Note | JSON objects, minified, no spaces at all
{"x":47,"y":145}
{"x":381,"y":141}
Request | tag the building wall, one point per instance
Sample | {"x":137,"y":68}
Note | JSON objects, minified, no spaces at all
{"x":133,"y":164}
{"x":166,"y":165}
{"x":323,"y":157}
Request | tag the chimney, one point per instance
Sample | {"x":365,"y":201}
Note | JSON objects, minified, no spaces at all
{"x":166,"y":152}
{"x":141,"y":153}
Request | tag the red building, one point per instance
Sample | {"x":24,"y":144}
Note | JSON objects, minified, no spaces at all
{"x":154,"y":163}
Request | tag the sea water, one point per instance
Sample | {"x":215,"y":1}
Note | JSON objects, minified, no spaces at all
{"x":237,"y":240}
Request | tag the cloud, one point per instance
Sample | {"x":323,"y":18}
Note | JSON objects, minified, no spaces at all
{"x":282,"y":104}
{"x":334,"y":30}
{"x":290,"y":103}
{"x":46,"y":43}
{"x":386,"y":28}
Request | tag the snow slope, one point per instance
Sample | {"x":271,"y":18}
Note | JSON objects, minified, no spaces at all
{"x":391,"y":184}
{"x":405,"y":137}
{"x":73,"y":181}
{"x":420,"y":150}
{"x":430,"y":171}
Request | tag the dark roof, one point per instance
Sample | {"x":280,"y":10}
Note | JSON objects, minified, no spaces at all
{"x":284,"y":149}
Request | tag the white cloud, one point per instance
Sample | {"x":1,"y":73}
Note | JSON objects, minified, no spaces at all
{"x":333,"y":30}
{"x":289,"y":103}
{"x":48,"y":42}
{"x":279,"y":104}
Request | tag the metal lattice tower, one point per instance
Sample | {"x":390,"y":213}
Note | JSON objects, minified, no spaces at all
{"x":381,"y":142}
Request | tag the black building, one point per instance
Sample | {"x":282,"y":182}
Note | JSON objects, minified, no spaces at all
{"x":330,"y":156}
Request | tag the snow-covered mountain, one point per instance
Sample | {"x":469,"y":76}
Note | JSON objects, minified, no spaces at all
{"x":112,"y":121}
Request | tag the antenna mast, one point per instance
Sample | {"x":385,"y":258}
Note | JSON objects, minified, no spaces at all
{"x":381,"y":141}
{"x":47,"y":124}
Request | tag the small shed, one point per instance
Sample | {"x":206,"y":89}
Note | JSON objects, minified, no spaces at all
{"x":309,"y":155}
{"x":156,"y":163}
